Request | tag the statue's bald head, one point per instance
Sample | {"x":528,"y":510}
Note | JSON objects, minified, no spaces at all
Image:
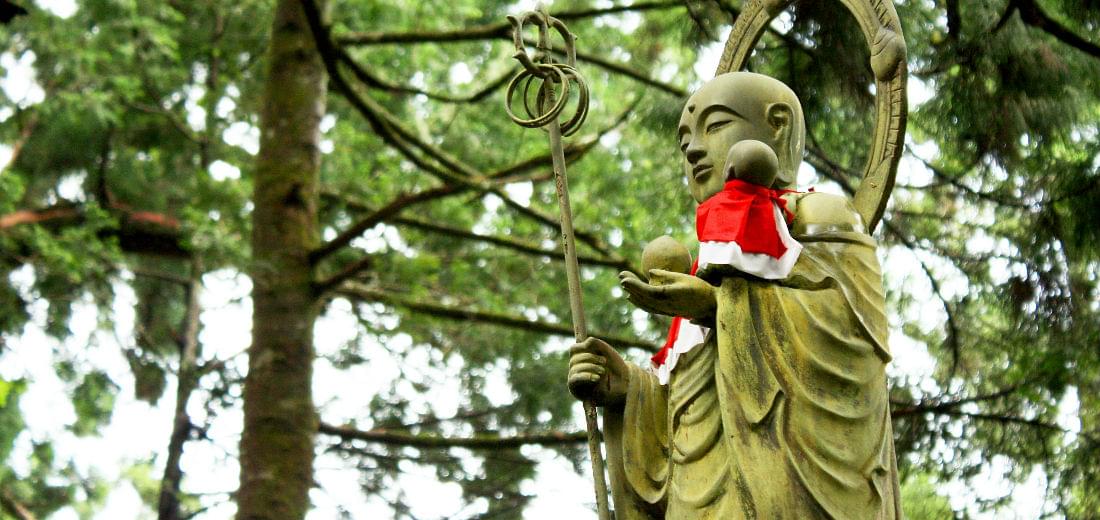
{"x":767,"y":108}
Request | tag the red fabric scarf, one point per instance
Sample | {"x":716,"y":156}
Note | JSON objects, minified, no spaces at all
{"x":743,"y":213}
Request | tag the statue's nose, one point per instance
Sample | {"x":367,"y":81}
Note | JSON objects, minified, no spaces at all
{"x":694,"y":152}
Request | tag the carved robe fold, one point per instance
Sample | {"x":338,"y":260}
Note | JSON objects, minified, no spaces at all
{"x":782,"y":413}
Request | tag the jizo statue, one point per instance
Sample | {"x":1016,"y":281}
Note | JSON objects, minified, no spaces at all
{"x":770,"y":399}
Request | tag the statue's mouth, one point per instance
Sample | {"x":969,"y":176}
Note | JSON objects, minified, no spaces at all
{"x":700,"y":171}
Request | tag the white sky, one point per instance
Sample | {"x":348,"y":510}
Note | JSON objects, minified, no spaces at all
{"x":140,"y":432}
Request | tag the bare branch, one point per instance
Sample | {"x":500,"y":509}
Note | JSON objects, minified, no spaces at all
{"x":505,"y":242}
{"x":25,"y":132}
{"x":379,"y":215}
{"x":401,"y":438}
{"x":489,"y":31}
{"x":376,"y":82}
{"x":503,"y":31}
{"x":791,"y":42}
{"x":187,"y":379}
{"x":512,"y":243}
{"x":16,"y":508}
{"x":159,"y":275}
{"x":954,"y":19}
{"x":999,"y":418}
{"x":361,"y":292}
{"x":503,"y":176}
{"x":982,"y":195}
{"x":393,"y":132}
{"x":178,"y":124}
{"x":901,"y":409}
{"x":345,"y":274}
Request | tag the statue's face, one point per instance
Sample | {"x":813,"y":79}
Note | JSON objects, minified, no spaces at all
{"x":722,"y":113}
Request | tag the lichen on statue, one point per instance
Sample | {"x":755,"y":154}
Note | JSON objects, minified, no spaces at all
{"x":781,"y":411}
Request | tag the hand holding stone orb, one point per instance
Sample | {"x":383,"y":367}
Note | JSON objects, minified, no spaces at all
{"x":667,"y":254}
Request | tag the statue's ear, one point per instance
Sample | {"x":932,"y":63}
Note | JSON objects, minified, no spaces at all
{"x":779,"y":116}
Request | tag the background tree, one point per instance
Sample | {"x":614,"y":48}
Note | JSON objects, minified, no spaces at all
{"x":439,"y":242}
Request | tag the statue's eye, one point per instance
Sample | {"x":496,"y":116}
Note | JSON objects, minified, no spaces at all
{"x":717,"y":125}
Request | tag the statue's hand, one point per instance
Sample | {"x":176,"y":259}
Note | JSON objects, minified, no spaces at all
{"x":597,"y":373}
{"x":671,"y":294}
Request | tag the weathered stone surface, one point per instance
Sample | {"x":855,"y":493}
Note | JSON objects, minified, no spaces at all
{"x":782,"y":412}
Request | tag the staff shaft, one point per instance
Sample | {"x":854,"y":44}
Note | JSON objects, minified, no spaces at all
{"x":580,"y":329}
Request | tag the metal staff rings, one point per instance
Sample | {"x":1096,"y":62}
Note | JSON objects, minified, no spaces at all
{"x":549,"y":102}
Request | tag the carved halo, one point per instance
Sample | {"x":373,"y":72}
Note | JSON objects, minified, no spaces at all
{"x":881,"y":27}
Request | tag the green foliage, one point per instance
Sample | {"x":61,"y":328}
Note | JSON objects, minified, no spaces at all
{"x":921,"y":501}
{"x":93,"y":400}
{"x":11,"y":421}
{"x":990,"y":247}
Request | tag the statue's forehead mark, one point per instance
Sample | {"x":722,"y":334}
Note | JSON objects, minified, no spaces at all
{"x":691,"y":108}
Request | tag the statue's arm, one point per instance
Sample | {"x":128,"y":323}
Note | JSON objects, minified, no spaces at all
{"x":671,"y":294}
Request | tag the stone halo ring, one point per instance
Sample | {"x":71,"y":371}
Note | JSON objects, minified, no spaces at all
{"x":879,"y":21}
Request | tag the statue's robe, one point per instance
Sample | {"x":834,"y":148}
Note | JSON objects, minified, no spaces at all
{"x":782,"y":413}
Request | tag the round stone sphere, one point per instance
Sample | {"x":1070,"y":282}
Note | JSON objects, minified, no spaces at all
{"x":753,"y":162}
{"x":667,"y":254}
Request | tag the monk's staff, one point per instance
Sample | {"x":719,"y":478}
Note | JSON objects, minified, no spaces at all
{"x":553,"y":82}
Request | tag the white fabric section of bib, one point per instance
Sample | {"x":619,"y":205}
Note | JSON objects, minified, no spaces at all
{"x":757,"y":264}
{"x":690,"y":335}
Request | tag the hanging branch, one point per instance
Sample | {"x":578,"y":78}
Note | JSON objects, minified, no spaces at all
{"x":490,"y":31}
{"x":137,"y":231}
{"x":1031,"y":14}
{"x":374,"y":81}
{"x":362,"y":292}
{"x":903,"y":408}
{"x":791,"y":42}
{"x":500,"y":31}
{"x":511,"y":243}
{"x":393,"y":132}
{"x":1002,"y":419}
{"x":412,"y":440}
{"x":980,"y":195}
{"x":504,"y":176}
{"x":698,"y":21}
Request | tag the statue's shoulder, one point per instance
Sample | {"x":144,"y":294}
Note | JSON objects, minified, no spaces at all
{"x":825,"y":211}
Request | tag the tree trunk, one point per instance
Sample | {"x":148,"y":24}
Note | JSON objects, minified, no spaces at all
{"x":279,"y":419}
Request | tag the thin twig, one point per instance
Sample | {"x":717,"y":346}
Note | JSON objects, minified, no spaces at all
{"x":361,"y":292}
{"x":401,"y":438}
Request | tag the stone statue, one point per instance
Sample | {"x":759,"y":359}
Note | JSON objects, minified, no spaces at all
{"x":780,"y":410}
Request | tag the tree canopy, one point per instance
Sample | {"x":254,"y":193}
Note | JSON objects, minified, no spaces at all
{"x":145,"y":151}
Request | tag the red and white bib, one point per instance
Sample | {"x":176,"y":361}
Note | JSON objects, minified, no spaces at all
{"x":743,"y":226}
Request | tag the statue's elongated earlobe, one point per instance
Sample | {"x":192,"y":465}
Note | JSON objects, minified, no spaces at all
{"x":779,"y":116}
